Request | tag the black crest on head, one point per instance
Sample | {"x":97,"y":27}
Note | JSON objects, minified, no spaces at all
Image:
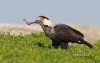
{"x":44,"y":17}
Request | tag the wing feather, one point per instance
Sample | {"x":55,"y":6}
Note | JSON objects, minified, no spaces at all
{"x":65,"y":32}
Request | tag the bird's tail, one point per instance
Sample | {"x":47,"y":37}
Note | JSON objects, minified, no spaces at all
{"x":86,"y":43}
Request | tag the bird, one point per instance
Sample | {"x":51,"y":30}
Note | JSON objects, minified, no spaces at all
{"x":60,"y":34}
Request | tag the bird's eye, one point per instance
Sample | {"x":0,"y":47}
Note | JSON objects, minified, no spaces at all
{"x":46,"y":25}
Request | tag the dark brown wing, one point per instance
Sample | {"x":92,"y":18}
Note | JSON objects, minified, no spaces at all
{"x":76,"y":31}
{"x":66,"y":33}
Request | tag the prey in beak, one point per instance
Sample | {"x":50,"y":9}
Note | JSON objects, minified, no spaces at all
{"x":29,"y":23}
{"x":37,"y":22}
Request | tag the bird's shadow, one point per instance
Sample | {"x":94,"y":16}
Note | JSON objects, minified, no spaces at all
{"x":40,"y":44}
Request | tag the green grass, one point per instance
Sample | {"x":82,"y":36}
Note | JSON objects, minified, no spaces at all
{"x":36,"y":48}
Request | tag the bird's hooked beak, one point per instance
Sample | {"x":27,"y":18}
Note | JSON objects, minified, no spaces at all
{"x":37,"y":21}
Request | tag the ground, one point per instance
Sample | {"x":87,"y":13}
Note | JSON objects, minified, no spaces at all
{"x":36,"y":48}
{"x":22,"y":44}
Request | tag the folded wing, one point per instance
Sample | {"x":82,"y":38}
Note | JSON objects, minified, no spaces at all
{"x":66,"y":33}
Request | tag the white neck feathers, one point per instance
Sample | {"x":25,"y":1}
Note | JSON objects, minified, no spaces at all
{"x":48,"y":22}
